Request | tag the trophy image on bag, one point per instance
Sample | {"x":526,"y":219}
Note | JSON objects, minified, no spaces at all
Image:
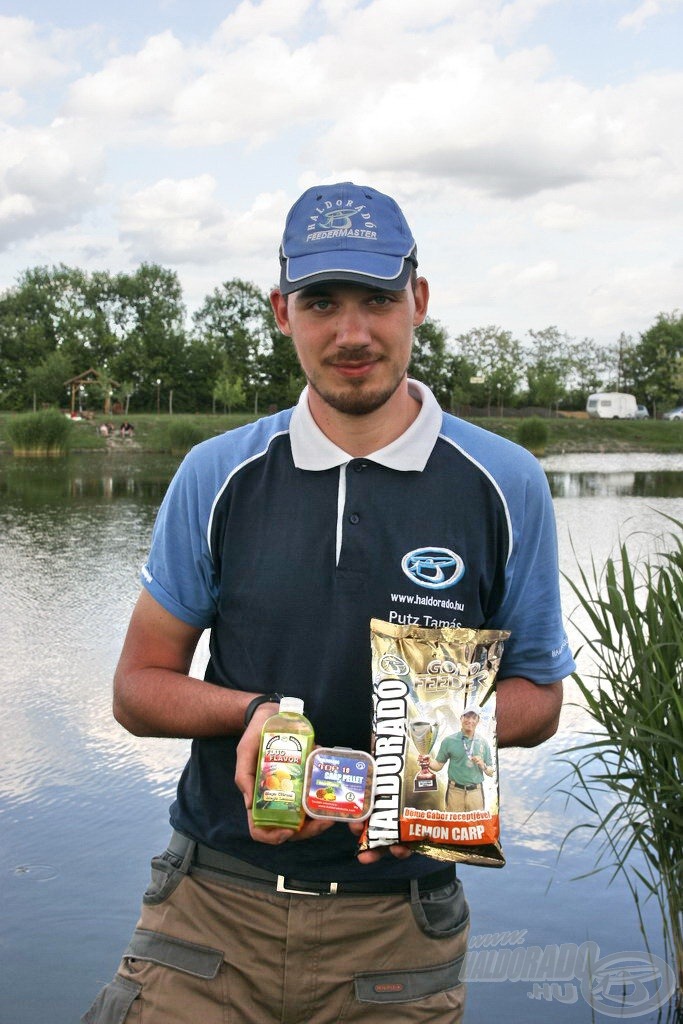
{"x":423,"y":732}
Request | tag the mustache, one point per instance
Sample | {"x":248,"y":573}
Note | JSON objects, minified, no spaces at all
{"x":351,"y":355}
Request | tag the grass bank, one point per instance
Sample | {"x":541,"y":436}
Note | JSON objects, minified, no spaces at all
{"x":564,"y":435}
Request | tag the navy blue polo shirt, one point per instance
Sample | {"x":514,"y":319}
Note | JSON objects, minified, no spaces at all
{"x":286,"y":547}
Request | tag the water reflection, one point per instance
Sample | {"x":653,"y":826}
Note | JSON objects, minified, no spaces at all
{"x":627,"y":484}
{"x":601,"y":476}
{"x":38,"y":482}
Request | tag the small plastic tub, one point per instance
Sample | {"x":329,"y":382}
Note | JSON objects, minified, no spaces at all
{"x":339,"y":784}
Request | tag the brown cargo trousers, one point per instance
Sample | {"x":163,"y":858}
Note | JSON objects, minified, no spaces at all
{"x":209,"y":951}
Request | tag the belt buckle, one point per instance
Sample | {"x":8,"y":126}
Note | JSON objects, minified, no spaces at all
{"x":281,"y":887}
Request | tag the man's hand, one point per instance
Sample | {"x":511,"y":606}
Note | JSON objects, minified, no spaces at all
{"x":371,"y":856}
{"x":245,"y":780}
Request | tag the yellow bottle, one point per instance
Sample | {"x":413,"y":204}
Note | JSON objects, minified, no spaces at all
{"x":286,"y":741}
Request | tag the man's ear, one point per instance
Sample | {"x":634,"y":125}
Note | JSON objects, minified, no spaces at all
{"x":421,"y":295}
{"x":279,"y":303}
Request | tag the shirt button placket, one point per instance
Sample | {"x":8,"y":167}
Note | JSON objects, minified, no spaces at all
{"x":358,"y":466}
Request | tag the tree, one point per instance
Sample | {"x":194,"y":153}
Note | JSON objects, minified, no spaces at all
{"x":230,"y":392}
{"x":23,"y":344}
{"x":497,"y":358}
{"x":429,"y":361}
{"x":548,"y":365}
{"x":236,"y":319}
{"x":654,"y":365}
{"x":284,"y":377}
{"x":148,"y":313}
{"x":51,"y":310}
{"x":124,"y":392}
{"x":588,"y":369}
{"x":46,"y":380}
{"x":43,"y":314}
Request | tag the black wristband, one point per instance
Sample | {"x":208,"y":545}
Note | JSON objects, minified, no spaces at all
{"x":264,"y":698}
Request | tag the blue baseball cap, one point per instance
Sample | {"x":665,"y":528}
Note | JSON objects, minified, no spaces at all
{"x":346,"y":232}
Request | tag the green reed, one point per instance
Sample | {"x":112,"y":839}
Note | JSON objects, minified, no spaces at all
{"x":532,"y":433}
{"x":182,"y":433}
{"x":40,"y":433}
{"x":628,"y":775}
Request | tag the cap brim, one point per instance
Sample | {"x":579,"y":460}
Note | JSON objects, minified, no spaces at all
{"x":391,"y":273}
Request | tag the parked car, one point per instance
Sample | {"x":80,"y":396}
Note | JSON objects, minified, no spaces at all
{"x":674,"y":414}
{"x":642,"y":412}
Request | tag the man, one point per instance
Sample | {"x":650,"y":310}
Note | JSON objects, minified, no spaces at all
{"x":285,"y":538}
{"x":469,"y":760}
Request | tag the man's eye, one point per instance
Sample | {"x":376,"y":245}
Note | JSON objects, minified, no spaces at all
{"x":321,"y":304}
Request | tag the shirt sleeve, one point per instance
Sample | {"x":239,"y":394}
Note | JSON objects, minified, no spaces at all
{"x":538,"y":648}
{"x":179,"y":572}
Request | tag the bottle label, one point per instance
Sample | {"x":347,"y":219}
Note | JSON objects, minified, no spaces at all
{"x":280,"y":781}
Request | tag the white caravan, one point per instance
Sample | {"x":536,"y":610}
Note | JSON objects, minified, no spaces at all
{"x":612,"y":405}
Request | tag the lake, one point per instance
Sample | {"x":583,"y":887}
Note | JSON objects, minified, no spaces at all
{"x":83,"y":805}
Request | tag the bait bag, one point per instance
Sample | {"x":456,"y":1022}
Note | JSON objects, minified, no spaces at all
{"x":434,"y":742}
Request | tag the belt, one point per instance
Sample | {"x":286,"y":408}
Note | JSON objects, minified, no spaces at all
{"x":242,"y":873}
{"x":459,"y":785}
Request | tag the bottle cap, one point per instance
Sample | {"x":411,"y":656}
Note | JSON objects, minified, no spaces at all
{"x":294,"y":704}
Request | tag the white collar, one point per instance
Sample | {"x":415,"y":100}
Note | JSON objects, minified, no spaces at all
{"x":313,"y":450}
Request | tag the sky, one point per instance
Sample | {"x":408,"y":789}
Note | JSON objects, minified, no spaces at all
{"x":535,"y":146}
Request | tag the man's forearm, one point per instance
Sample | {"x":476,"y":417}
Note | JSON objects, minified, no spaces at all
{"x":527,"y":713}
{"x":161,"y":702}
{"x":153,"y":693}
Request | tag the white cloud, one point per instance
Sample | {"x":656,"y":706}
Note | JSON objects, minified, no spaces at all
{"x":48,"y":178}
{"x":636,"y":18}
{"x":11,"y":105}
{"x":270,"y":17}
{"x":561,"y":216}
{"x":439,"y":101}
{"x":29,"y":55}
{"x":183,"y":222}
{"x":251,"y":94}
{"x":132,"y":88}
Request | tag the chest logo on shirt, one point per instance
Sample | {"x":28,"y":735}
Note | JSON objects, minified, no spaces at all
{"x":434,"y":568}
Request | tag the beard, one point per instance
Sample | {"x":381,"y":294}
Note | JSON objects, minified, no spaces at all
{"x":357,"y":398}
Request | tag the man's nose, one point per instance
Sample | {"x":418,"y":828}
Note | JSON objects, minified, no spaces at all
{"x":352,"y":326}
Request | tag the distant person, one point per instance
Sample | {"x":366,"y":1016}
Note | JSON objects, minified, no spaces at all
{"x":126,"y":429}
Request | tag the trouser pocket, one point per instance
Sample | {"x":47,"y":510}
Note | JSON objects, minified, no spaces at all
{"x":167,"y":951}
{"x":114,"y":1002}
{"x":409,"y":985}
{"x":166,"y":978}
{"x":168,"y":871}
{"x":440,"y":913}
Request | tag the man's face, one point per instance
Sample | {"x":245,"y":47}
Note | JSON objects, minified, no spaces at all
{"x":353,"y":342}
{"x":468,"y":723}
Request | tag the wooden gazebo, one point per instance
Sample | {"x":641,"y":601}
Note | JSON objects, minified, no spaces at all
{"x":91,"y":376}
